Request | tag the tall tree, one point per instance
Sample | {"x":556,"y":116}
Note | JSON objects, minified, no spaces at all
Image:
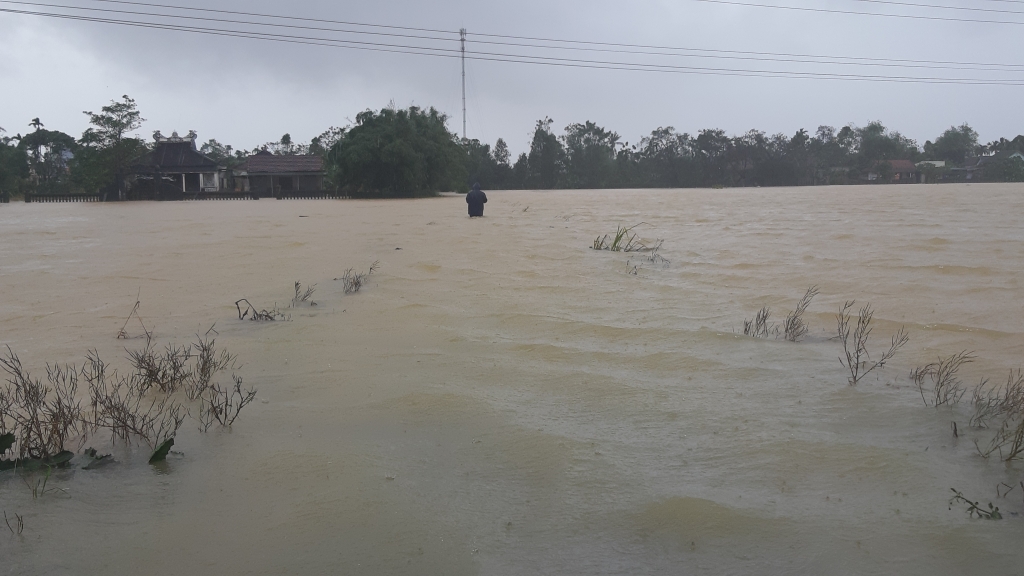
{"x":323,"y":143}
{"x":480,"y":165}
{"x":954,"y":145}
{"x":545,"y":164}
{"x":503,"y":172}
{"x":398,"y":153}
{"x":712,"y":148}
{"x":877,"y":143}
{"x":665,"y":160}
{"x":13,"y":166}
{"x":108,"y":147}
{"x":49,"y":152}
{"x":590,"y":156}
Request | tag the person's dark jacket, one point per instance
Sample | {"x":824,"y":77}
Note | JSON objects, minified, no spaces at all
{"x":476,"y":200}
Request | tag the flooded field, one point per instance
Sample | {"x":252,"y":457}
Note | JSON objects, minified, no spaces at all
{"x":501,"y":399}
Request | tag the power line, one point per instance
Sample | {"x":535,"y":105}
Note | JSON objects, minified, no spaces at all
{"x":729,"y":2}
{"x":527,"y":59}
{"x":939,"y":6}
{"x":855,"y":13}
{"x":610,"y":47}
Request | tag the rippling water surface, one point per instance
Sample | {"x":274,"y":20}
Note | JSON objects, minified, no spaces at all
{"x":501,"y":399}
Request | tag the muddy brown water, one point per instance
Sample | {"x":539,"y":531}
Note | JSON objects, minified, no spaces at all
{"x":501,"y":399}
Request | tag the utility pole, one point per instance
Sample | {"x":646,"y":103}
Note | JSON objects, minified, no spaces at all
{"x":462,"y":40}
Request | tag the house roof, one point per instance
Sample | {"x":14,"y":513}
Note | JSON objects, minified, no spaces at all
{"x":267,"y":163}
{"x":175,"y":157}
{"x":902,"y":166}
{"x":979,"y":161}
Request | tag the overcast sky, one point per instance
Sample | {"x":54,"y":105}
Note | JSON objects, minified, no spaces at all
{"x":246,"y":92}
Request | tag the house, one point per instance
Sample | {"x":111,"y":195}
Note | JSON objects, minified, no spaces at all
{"x":969,"y":171}
{"x":268,"y":175}
{"x":901,"y":171}
{"x":175,"y":169}
{"x":930,"y":171}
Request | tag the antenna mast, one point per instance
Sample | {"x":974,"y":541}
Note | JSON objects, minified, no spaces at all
{"x":462,"y":40}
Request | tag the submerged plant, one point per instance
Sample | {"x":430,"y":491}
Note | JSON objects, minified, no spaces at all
{"x":973,"y":509}
{"x":760,"y":327}
{"x":625,"y":240}
{"x":353,"y":281}
{"x":123,"y":333}
{"x":795,"y":327}
{"x":41,"y":417}
{"x":947,"y":388}
{"x":992,"y":404}
{"x":303,"y":295}
{"x":264,"y":315}
{"x":224,"y":404}
{"x":19,"y":521}
{"x":855,"y":342}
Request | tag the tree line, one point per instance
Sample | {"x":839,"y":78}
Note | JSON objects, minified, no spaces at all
{"x":411,"y":152}
{"x":586,"y":155}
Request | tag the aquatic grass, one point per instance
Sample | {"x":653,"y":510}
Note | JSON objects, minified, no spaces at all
{"x":40,"y":489}
{"x":760,"y":326}
{"x":303,"y":295}
{"x":264,"y":315}
{"x":353,"y":281}
{"x":991,"y":404}
{"x":795,"y":328}
{"x":1008,"y":440}
{"x":625,"y":240}
{"x":855,"y":342}
{"x":656,"y":258}
{"x":947,"y":388}
{"x":19,"y":521}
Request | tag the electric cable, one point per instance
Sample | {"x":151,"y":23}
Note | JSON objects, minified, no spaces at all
{"x":526,"y":59}
{"x":606,"y":46}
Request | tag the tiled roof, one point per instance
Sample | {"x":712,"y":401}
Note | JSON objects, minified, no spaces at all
{"x":175,"y":156}
{"x":903,"y":166}
{"x":265,"y":163}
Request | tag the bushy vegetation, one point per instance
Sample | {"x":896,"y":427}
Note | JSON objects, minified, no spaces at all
{"x":43,"y":423}
{"x":589,"y":156}
{"x":410,"y":152}
{"x":398,"y":153}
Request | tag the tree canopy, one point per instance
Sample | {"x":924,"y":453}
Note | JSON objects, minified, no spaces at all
{"x":398,"y":153}
{"x":411,"y":152}
{"x":107,"y":148}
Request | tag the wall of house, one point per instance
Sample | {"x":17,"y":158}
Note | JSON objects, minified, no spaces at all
{"x":311,"y":183}
{"x":268,"y":186}
{"x":261,"y":186}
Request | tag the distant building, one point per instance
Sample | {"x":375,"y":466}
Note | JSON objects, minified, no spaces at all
{"x":931,"y":171}
{"x":176,"y":169}
{"x":267,"y":175}
{"x":902,"y":172}
{"x":971,"y":167}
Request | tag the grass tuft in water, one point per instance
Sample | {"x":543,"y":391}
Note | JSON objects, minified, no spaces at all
{"x":795,"y":327}
{"x":855,"y":342}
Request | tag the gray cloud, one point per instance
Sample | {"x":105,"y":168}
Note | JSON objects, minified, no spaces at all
{"x":245,"y":92}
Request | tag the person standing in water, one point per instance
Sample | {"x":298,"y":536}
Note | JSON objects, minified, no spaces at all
{"x":476,"y":200}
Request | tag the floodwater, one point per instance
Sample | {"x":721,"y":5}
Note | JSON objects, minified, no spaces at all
{"x":501,"y":399}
